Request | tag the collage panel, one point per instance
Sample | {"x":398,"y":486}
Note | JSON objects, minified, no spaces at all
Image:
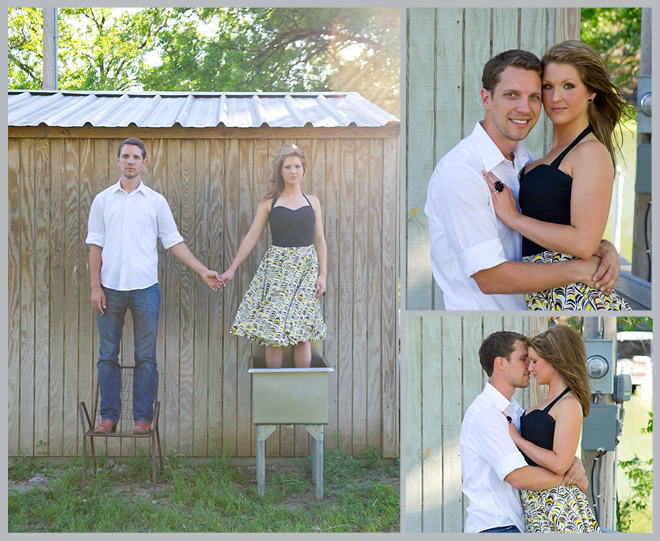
{"x":498,"y":407}
{"x":203,"y":269}
{"x":517,"y":126}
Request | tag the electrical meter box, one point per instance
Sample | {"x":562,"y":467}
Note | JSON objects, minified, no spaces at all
{"x":644,"y":96}
{"x":600,"y":365}
{"x":622,"y":388}
{"x":599,"y":428}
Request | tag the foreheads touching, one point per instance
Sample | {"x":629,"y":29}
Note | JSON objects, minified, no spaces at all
{"x":499,"y":344}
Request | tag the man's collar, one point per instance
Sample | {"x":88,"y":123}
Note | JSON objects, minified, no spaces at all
{"x":140,"y":187}
{"x":501,"y":401}
{"x":491,"y":155}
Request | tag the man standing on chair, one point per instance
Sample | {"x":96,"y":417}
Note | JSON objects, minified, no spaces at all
{"x":125,"y":221}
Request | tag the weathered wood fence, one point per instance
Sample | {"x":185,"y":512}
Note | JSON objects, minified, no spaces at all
{"x":213,"y":180}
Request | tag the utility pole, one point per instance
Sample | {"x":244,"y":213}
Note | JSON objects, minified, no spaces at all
{"x":604,"y":476}
{"x":641,"y":257}
{"x":50,"y":49}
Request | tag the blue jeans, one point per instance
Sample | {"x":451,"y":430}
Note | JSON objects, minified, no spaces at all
{"x":501,"y":529}
{"x":144,"y":305}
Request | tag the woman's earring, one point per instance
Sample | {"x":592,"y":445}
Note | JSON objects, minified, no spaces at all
{"x":590,"y":100}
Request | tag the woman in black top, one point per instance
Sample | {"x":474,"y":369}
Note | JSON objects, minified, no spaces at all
{"x":282,"y":304}
{"x":550,"y":431}
{"x":565,"y":196}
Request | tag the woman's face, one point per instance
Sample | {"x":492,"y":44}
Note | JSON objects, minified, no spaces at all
{"x":292,"y":170}
{"x":541,"y":369}
{"x":565,"y":96}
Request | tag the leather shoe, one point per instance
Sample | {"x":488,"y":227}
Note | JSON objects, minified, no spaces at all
{"x":142,"y":427}
{"x":106,"y":427}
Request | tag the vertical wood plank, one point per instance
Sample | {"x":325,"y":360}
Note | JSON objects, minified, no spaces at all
{"x":360,"y":235}
{"x":247,"y":206}
{"x":453,"y":359}
{"x":433,"y":393}
{"x":235,"y":229}
{"x":28,"y":263}
{"x":217,"y":324}
{"x":186,"y":321}
{"x":389,"y":295}
{"x":201,"y":296}
{"x":56,"y":300}
{"x":414,"y":472}
{"x":420,"y":159}
{"x":86,"y":364}
{"x":172,"y":287}
{"x":71,"y":294}
{"x":331,"y":211}
{"x":346,"y":293}
{"x":14,"y":255}
{"x":375,"y":267}
{"x":42,"y":229}
{"x":157,"y":165}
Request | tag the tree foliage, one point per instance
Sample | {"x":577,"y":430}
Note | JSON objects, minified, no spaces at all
{"x":615,"y":34}
{"x":215,"y":50}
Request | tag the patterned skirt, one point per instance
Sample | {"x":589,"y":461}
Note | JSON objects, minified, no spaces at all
{"x":559,"y":509}
{"x":576,"y":296}
{"x":279,"y":307}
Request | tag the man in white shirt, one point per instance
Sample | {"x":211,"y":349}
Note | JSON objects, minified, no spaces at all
{"x":125,"y":221}
{"x":476,"y":259}
{"x":493,"y":468}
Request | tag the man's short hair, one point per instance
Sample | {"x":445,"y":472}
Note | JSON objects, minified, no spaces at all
{"x":133,"y":141}
{"x":498,"y":344}
{"x":514,"y":57}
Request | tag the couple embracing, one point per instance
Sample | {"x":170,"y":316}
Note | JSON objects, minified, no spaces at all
{"x":494,"y":211}
{"x":519,"y":468}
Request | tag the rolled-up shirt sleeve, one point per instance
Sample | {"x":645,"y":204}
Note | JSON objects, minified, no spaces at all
{"x":168,"y":233}
{"x":494,"y":444}
{"x":462,"y":203}
{"x":95,"y":224}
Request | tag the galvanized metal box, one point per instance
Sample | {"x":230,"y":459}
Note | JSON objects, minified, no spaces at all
{"x":289,"y":395}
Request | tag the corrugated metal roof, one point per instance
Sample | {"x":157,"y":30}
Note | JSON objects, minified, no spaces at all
{"x":193,"y":110}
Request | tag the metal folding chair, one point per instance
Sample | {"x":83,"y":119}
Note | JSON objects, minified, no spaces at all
{"x":124,"y":426}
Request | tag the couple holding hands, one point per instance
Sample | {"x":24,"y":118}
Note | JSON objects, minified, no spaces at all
{"x":281,"y":307}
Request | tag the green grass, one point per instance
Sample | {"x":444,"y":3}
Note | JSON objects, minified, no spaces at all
{"x":359,"y":496}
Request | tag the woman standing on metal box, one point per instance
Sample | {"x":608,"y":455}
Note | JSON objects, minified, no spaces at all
{"x":282,"y":304}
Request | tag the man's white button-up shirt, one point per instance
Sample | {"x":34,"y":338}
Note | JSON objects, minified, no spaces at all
{"x":488,"y":455}
{"x":466,"y":236}
{"x":127,"y":226}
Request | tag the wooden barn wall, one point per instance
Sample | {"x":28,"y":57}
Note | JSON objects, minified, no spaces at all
{"x":443,"y":376}
{"x":213,"y":186}
{"x":447,"y":49}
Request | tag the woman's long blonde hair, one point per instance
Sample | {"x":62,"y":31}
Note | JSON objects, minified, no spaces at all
{"x":608,"y":108}
{"x":276,"y":169}
{"x":564,"y":349}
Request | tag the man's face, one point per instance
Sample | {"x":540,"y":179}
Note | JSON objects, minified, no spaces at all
{"x":513,"y":108}
{"x":130,"y":161}
{"x":517,"y":368}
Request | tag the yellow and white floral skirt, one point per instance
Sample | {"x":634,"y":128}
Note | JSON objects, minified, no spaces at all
{"x":279,"y":307}
{"x":576,"y":296}
{"x":559,"y":509}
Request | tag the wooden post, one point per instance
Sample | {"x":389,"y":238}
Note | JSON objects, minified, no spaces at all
{"x":596,"y":327}
{"x":642,"y":225}
{"x":50,"y":49}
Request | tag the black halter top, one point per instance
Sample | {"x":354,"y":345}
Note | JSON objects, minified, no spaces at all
{"x":538,"y":427}
{"x":545,"y":194}
{"x":292,"y":228}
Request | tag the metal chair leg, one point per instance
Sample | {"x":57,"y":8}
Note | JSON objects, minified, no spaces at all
{"x":84,"y":472}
